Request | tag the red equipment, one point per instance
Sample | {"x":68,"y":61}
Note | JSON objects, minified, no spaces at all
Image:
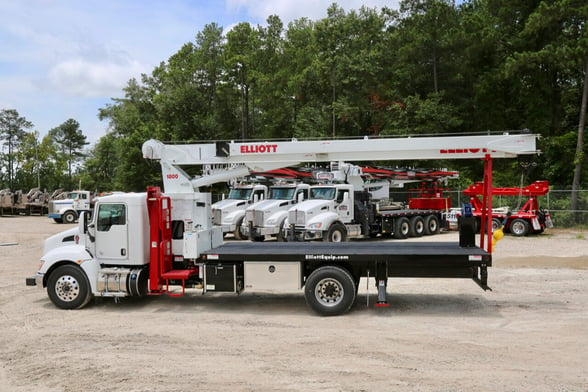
{"x":529,"y":219}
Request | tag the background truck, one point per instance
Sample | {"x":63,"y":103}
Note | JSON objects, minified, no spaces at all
{"x":229,"y":213}
{"x":68,"y":209}
{"x":267,"y":217}
{"x":362,"y":209}
{"x":529,"y":218}
{"x":158,"y":243}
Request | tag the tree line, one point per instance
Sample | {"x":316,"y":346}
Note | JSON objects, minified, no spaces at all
{"x":429,"y":67}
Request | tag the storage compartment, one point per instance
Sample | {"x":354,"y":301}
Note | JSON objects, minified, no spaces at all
{"x":267,"y":275}
{"x":223,"y":278}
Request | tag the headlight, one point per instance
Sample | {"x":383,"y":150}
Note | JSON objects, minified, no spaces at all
{"x":315,"y":226}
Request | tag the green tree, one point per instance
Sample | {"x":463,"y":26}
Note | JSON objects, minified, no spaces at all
{"x":71,"y":141}
{"x":12,"y":132}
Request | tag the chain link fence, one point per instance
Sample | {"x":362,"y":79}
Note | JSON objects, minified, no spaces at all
{"x":557,"y":202}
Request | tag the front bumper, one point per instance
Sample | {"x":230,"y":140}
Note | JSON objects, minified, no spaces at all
{"x":36,"y":280}
{"x":304,"y":235}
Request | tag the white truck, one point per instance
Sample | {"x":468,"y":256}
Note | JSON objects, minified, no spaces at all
{"x":158,"y":243}
{"x":336,"y":212}
{"x":68,"y":210}
{"x":267,"y":217}
{"x":229,"y":213}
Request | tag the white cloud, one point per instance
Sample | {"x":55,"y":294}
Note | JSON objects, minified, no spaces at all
{"x":87,"y":77}
{"x":289,"y":10}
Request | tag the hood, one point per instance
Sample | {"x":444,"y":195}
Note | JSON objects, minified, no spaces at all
{"x":61,"y":239}
{"x":228,"y":203}
{"x":312,"y":205}
{"x":270,"y":204}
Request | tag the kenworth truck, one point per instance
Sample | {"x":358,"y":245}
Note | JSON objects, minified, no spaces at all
{"x":267,"y":217}
{"x":229,"y":213}
{"x":158,"y":243}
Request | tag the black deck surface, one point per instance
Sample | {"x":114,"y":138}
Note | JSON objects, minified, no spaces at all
{"x":355,"y":248}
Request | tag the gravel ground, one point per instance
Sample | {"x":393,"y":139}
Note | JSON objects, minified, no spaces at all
{"x":529,"y":334}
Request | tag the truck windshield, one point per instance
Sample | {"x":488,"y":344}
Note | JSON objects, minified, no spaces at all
{"x":240,"y":194}
{"x":322,"y":193}
{"x":73,"y":195}
{"x":282,"y":193}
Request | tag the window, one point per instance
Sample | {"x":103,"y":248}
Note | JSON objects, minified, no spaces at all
{"x":111,"y":214}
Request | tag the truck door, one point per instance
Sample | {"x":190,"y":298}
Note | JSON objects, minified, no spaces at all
{"x":345,"y":205}
{"x":111,"y":232}
{"x":81,"y":202}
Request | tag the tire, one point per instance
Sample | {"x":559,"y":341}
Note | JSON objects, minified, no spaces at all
{"x":281,"y":237}
{"x":496,"y":224}
{"x":68,"y":287}
{"x":519,"y":227}
{"x":401,"y":228}
{"x":417,"y":226}
{"x":432,"y":226}
{"x":330,"y":290}
{"x":58,"y":220}
{"x":69,"y":217}
{"x":336,"y":233}
{"x":238,"y":234}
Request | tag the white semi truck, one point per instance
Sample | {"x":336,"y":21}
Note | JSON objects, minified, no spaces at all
{"x":229,"y":213}
{"x":68,"y":209}
{"x":267,"y":217}
{"x":158,"y":243}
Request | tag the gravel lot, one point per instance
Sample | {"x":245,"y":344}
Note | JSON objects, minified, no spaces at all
{"x":529,"y":334}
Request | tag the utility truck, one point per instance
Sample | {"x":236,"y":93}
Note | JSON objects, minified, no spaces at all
{"x":336,"y":212}
{"x":267,"y":217}
{"x":68,"y":209}
{"x":229,"y":213}
{"x":158,"y":242}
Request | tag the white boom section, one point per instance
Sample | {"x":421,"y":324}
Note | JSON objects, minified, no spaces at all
{"x":240,"y":158}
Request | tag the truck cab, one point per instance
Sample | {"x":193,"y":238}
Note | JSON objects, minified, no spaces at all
{"x":267,"y":217}
{"x":326,"y":215}
{"x":230,"y":212}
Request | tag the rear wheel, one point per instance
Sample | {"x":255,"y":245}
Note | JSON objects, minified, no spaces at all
{"x":330,"y":290}
{"x":417,"y":226}
{"x":431,"y":225}
{"x":336,"y":233}
{"x":68,"y":287}
{"x":519,"y":227}
{"x":401,"y":228}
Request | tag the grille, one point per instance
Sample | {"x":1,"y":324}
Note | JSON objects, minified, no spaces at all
{"x":258,"y":221}
{"x":296,"y":217}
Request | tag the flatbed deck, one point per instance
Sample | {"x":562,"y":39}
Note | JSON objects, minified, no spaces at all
{"x":401,"y":259}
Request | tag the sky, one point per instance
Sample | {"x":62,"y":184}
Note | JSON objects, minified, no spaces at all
{"x":62,"y":59}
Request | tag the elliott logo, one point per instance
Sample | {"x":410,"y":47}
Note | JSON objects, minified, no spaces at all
{"x":258,"y":148}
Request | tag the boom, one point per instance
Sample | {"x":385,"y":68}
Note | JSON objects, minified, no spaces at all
{"x":226,"y":160}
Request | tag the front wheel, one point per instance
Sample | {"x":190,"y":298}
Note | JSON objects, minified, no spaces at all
{"x":281,"y":236}
{"x":330,"y":290}
{"x":336,"y":233}
{"x":238,"y":233}
{"x":70,"y":217}
{"x":68,"y":287}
